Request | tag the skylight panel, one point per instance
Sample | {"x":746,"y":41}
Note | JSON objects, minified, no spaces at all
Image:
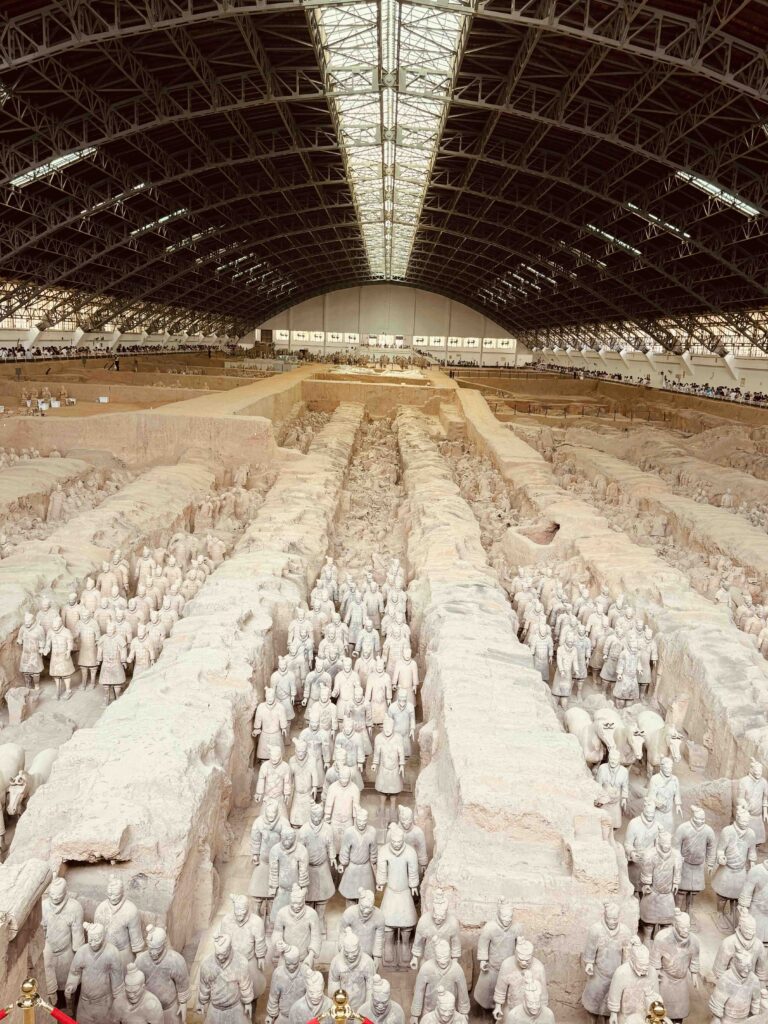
{"x":57,"y":164}
{"x":613,"y":240}
{"x":726,"y":198}
{"x":390,"y":69}
{"x":651,"y":218}
{"x":160,"y":221}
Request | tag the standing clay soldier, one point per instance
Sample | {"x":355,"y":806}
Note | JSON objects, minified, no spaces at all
{"x":753,"y":791}
{"x":542,"y":648}
{"x":297,"y":925}
{"x":696,"y":843}
{"x":403,"y":714}
{"x":435,"y":925}
{"x":414,"y":836}
{"x":70,"y":615}
{"x":531,"y":1010}
{"x":246,"y":932}
{"x":140,"y":652}
{"x":135,"y":1005}
{"x":270,"y":725}
{"x":613,"y":645}
{"x":314,"y":1004}
{"x":112,"y":657}
{"x":88,"y":635}
{"x":442,"y":971}
{"x":304,"y":784}
{"x":31,"y":639}
{"x":497,"y":941}
{"x":46,"y":614}
{"x":121,"y":920}
{"x":406,"y":675}
{"x":632,"y":986}
{"x":735,"y":855}
{"x":640,"y":836}
{"x":62,"y":922}
{"x":513,"y":974}
{"x":389,"y":767}
{"x":55,"y":504}
{"x":351,"y":970}
{"x":367,"y":922}
{"x":265,"y":833}
{"x":562,"y":684}
{"x":283,"y":683}
{"x":664,"y":788}
{"x":288,"y":866}
{"x":287,"y":987}
{"x":274,"y":781}
{"x":318,"y":742}
{"x":342,"y":803}
{"x":224,"y":989}
{"x":98,"y":971}
{"x":648,"y":656}
{"x":736,"y":995}
{"x":607,"y":943}
{"x":675,"y":955}
{"x":378,"y":692}
{"x":397,"y":876}
{"x":613,"y":777}
{"x":626,"y":689}
{"x":583,"y":647}
{"x":59,"y":644}
{"x":445,"y":1010}
{"x":357,"y":857}
{"x":660,"y":878}
{"x":166,"y":975}
{"x":316,"y":835}
{"x":380,"y":1009}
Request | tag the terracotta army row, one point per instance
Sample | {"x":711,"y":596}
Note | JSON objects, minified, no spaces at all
{"x":584,"y":636}
{"x":11,"y":456}
{"x":104,"y":628}
{"x":107,"y":970}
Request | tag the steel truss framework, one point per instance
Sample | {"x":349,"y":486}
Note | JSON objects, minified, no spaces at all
{"x":572,"y":175}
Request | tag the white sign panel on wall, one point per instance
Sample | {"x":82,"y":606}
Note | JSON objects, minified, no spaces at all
{"x":351,"y":339}
{"x":436,"y":342}
{"x":489,"y":343}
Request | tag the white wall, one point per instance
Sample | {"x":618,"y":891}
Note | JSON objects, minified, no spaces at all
{"x":387,"y":309}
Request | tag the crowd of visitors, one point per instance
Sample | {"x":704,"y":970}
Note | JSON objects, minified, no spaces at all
{"x":19,"y":354}
{"x":668,"y":383}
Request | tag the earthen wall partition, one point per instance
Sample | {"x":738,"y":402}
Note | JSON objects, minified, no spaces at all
{"x":507,"y":792}
{"x":699,"y":526}
{"x":151,"y":785}
{"x":30,"y":482}
{"x":381,"y":399}
{"x":710,"y":674}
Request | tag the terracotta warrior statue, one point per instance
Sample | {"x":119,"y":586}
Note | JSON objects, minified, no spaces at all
{"x":98,"y":971}
{"x":246,"y":932}
{"x":442,"y":971}
{"x":695,"y":842}
{"x":60,"y":644}
{"x":513,"y":973}
{"x":497,"y":941}
{"x":660,"y":872}
{"x":31,"y":639}
{"x":531,"y":1010}
{"x":736,"y":995}
{"x":270,"y":725}
{"x":166,"y":975}
{"x":357,"y":857}
{"x":351,"y":970}
{"x":753,"y":791}
{"x":288,"y":985}
{"x":62,"y":922}
{"x":298,"y":925}
{"x":608,"y":942}
{"x":445,"y":1011}
{"x":632,"y":985}
{"x":121,"y":920}
{"x":675,"y":955}
{"x":380,"y":1009}
{"x":389,"y":767}
{"x":265,"y":834}
{"x":366,"y":921}
{"x":397,"y":876}
{"x":112,"y":658}
{"x":288,"y":866}
{"x":224,"y":990}
{"x":135,"y":1004}
{"x":434,"y":925}
{"x":316,"y":835}
{"x":314,"y":1003}
{"x":736,"y":854}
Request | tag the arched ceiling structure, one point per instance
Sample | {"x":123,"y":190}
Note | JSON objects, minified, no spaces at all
{"x":579,"y":170}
